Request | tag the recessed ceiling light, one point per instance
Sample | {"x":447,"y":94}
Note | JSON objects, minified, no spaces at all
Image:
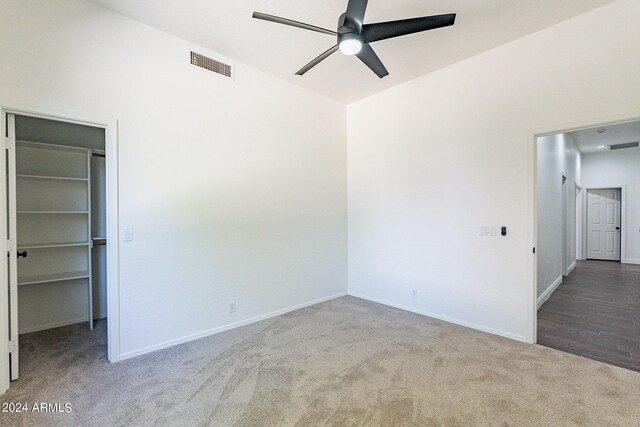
{"x":601,"y":130}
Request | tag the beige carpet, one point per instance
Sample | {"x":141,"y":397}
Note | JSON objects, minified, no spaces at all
{"x":344,"y":362}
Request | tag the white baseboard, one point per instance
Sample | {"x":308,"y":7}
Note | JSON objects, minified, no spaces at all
{"x":631,"y":261}
{"x":572,"y":266}
{"x":547,"y":293}
{"x":441,"y":317}
{"x":51,"y":325}
{"x":209,"y":332}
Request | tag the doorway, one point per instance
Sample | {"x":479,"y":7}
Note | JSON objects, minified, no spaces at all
{"x":59,"y":193}
{"x":604,"y":233}
{"x":590,"y":310}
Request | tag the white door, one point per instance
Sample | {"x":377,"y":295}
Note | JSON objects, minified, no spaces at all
{"x":603,"y":224}
{"x":12,"y":249}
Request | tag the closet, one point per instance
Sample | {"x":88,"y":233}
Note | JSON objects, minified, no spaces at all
{"x":61,"y":223}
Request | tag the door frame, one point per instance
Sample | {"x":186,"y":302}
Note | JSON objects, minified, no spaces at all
{"x":112,"y":212}
{"x":564,"y":214}
{"x":533,"y":134}
{"x":623,"y":225}
{"x":579,"y":196}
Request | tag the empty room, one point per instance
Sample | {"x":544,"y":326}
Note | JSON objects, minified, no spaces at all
{"x":350,"y":212}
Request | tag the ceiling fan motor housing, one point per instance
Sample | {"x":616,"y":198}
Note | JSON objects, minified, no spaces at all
{"x":347,"y":25}
{"x":350,"y":40}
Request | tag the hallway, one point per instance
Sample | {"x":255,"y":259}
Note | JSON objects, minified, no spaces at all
{"x":595,"y":313}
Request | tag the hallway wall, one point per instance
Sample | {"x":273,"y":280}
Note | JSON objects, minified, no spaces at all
{"x":557,"y":155}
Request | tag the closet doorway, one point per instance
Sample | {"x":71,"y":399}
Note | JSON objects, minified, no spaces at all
{"x":57,"y":243}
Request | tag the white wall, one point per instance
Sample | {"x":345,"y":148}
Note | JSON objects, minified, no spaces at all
{"x":433,"y":159}
{"x":615,"y":168}
{"x":235,"y":190}
{"x":557,"y":156}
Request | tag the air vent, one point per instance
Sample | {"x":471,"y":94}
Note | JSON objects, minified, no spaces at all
{"x":625,"y":145}
{"x":210,"y":64}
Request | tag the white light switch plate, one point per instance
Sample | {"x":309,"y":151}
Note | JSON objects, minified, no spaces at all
{"x":488,"y":230}
{"x":127,"y":234}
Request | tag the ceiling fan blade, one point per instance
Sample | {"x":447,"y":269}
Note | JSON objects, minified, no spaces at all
{"x":318,"y":60}
{"x":355,"y":12}
{"x":387,"y":30}
{"x":292,"y":23}
{"x":371,"y":60}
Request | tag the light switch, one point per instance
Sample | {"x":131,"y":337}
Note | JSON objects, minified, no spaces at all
{"x":127,"y":234}
{"x":488,"y":230}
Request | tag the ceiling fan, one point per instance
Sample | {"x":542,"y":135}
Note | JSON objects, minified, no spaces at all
{"x":354,"y":36}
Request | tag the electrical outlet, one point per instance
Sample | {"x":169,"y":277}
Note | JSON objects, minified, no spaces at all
{"x":414,"y":293}
{"x":232,"y":307}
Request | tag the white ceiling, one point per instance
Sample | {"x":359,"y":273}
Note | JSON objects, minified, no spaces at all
{"x":226,"y":27}
{"x":590,"y":141}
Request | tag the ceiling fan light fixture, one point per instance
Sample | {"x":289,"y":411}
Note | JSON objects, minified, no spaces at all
{"x":350,"y":44}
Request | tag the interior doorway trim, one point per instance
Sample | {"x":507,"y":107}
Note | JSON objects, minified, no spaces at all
{"x":532,"y":189}
{"x":579,"y":193}
{"x":565,"y":241}
{"x":623,"y":219}
{"x":113,"y":275}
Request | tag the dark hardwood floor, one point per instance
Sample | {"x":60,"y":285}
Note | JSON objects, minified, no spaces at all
{"x":595,"y":313}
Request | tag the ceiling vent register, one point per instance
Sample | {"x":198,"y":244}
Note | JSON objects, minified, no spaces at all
{"x":210,"y":64}
{"x":625,"y":145}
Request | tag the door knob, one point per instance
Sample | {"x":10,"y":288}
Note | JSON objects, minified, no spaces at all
{"x":617,"y":228}
{"x":22,"y":254}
